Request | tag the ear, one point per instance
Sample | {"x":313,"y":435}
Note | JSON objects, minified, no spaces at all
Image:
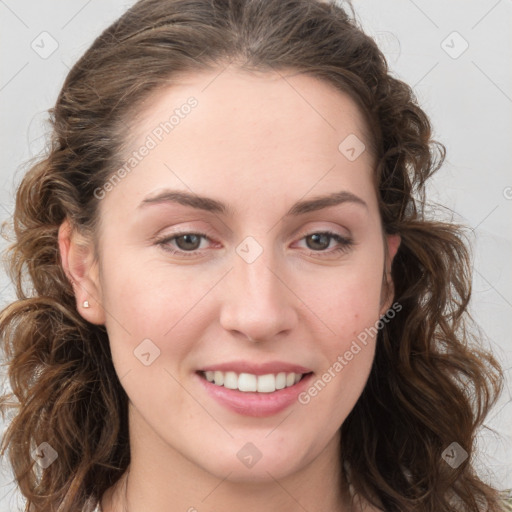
{"x":77,"y":257}
{"x":392,"y":243}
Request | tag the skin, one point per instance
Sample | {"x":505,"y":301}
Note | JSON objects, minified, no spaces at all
{"x":258,"y":143}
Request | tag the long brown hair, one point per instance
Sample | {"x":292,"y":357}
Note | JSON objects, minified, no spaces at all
{"x":431,"y":383}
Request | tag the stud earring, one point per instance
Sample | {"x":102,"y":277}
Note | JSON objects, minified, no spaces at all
{"x":86,"y":304}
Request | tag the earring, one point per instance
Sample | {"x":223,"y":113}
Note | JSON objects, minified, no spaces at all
{"x":86,"y":304}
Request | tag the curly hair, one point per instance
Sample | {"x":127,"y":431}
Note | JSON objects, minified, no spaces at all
{"x":431,"y":383}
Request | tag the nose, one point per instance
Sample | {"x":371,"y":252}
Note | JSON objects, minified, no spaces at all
{"x":257,"y":303}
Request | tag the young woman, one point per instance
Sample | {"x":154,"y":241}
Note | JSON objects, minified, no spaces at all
{"x":237,"y":302}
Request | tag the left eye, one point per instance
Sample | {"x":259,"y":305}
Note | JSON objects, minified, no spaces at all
{"x":321,"y":241}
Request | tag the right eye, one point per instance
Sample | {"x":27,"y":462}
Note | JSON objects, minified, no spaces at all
{"x":186,"y":243}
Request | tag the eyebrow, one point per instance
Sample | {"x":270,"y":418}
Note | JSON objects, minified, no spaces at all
{"x":212,"y":205}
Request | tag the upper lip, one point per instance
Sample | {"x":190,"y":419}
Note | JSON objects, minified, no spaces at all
{"x":256,"y":369}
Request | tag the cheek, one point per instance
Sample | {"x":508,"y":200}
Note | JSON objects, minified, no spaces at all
{"x":347,"y":302}
{"x":350,"y":309}
{"x":346,"y":299}
{"x":152,"y":325}
{"x":154,"y":305}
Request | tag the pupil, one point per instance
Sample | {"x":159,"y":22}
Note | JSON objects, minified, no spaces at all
{"x":321,"y":239}
{"x":191,"y":242}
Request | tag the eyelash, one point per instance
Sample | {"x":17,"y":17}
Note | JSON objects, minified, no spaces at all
{"x":346,"y":243}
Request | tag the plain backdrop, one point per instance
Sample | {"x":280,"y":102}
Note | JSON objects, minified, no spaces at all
{"x":455,"y":54}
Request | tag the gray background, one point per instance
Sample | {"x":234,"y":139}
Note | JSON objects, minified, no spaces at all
{"x":466,"y":91}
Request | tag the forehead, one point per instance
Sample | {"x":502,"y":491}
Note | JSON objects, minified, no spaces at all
{"x":219,"y":132}
{"x":240,"y":105}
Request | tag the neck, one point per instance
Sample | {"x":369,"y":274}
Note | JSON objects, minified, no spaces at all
{"x":134,"y":492}
{"x":129,"y":495}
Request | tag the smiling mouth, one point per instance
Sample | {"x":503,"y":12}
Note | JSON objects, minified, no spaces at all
{"x":248,"y":382}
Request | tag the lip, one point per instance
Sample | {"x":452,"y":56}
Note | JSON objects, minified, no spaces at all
{"x":257,"y":369}
{"x":253,"y":403}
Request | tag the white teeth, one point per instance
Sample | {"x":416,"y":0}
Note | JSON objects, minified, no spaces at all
{"x":231,"y":380}
{"x":218,"y":378}
{"x":247,"y":382}
{"x":281,"y":380}
{"x":266,"y":383}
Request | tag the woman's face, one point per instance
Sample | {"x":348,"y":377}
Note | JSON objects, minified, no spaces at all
{"x":215,"y":265}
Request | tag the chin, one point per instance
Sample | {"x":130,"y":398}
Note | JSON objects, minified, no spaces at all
{"x":245,"y":463}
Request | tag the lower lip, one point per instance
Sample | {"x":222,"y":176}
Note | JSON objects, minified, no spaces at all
{"x":255,"y":404}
